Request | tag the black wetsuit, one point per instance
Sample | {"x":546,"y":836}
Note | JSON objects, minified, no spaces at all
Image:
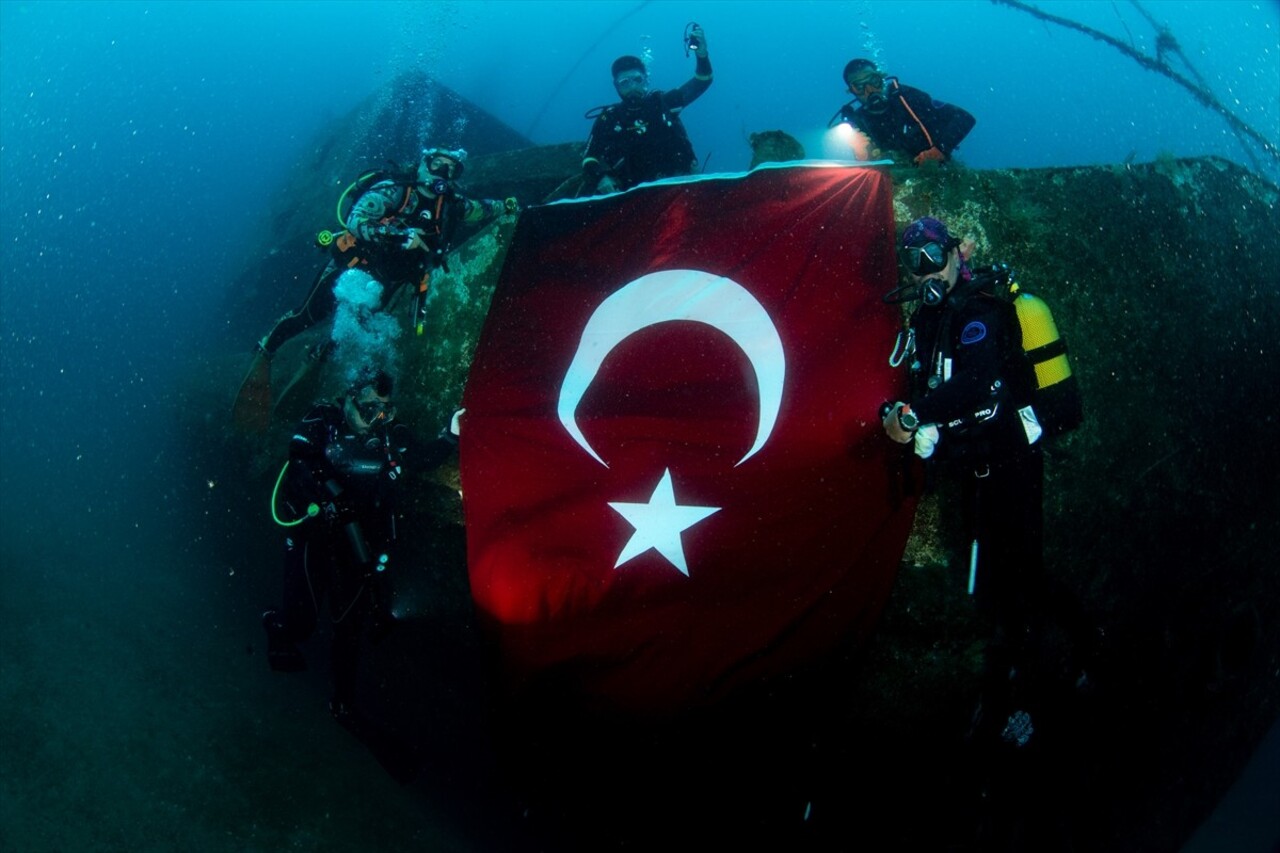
{"x":892,"y":125}
{"x":336,"y":553}
{"x":644,"y":140}
{"x":971,"y":378}
{"x":345,"y":553}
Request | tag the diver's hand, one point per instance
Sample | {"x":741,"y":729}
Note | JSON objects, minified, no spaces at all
{"x":453,"y":431}
{"x":862,"y":146}
{"x":893,"y":428}
{"x":413,"y":240}
{"x":933,"y":154}
{"x":606,"y":185}
{"x":926,"y":440}
{"x":698,"y":34}
{"x":511,"y":206}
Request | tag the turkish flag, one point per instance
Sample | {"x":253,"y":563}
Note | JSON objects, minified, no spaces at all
{"x":674,"y":476}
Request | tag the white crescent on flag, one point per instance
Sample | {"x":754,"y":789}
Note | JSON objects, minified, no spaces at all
{"x":681,"y":294}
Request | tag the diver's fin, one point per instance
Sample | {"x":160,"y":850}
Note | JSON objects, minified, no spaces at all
{"x":251,"y":411}
{"x":304,"y":379}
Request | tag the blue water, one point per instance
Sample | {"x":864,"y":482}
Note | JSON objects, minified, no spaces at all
{"x":141,"y":143}
{"x":140,"y":140}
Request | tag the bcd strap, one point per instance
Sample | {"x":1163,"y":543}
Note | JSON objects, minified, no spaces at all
{"x":404,"y":202}
{"x":1051,"y":350}
{"x":928,"y":136}
{"x":438,"y":220}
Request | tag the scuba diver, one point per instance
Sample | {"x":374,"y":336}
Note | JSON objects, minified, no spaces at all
{"x":894,"y":117}
{"x":982,"y":406}
{"x":970,"y":385}
{"x":973,"y":390}
{"x":642,"y":138}
{"x":336,"y":495}
{"x":399,"y":229}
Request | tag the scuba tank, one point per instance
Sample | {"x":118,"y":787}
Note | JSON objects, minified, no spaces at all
{"x":1057,"y":401}
{"x":1041,"y":341}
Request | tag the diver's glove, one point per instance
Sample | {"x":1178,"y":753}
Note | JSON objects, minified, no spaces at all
{"x":413,"y":240}
{"x":934,"y":154}
{"x":388,"y":234}
{"x":511,"y":205}
{"x":926,"y":440}
{"x":695,"y":32}
{"x":450,"y":434}
{"x":1018,"y":729}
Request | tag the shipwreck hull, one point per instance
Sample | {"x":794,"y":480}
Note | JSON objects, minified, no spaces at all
{"x":1162,"y":521}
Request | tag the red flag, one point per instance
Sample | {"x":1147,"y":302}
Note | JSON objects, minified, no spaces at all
{"x":674,"y":476}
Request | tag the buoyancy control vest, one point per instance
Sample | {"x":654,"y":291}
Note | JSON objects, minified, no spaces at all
{"x":435,"y":216}
{"x":403,"y":177}
{"x":1035,"y":391}
{"x":644,"y":142}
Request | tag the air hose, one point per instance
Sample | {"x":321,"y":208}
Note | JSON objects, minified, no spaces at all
{"x":342,"y":199}
{"x":312,"y":509}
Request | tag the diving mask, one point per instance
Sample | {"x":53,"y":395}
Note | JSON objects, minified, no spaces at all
{"x":369,"y":411}
{"x":864,"y":84}
{"x":631,"y":84}
{"x":442,"y":167}
{"x":926,"y":259}
{"x":869,"y":90}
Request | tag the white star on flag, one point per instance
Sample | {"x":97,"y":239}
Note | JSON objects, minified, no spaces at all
{"x":659,"y":524}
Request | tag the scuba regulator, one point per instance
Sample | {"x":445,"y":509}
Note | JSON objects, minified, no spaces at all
{"x":931,"y":292}
{"x":876,"y":102}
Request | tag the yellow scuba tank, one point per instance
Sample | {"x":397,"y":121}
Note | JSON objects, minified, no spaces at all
{"x":1039,"y":330}
{"x":1057,"y":402}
